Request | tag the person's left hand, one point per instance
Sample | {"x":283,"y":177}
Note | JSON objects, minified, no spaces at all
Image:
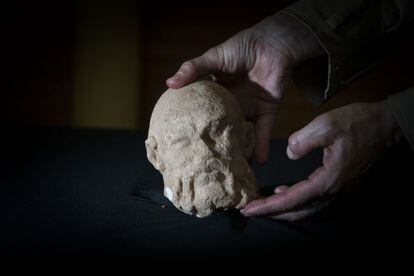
{"x":352,"y":137}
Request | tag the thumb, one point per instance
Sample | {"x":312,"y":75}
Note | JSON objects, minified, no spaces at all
{"x":208,"y":63}
{"x":316,"y":134}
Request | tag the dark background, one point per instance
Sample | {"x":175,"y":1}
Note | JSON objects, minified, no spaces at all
{"x":103,"y":64}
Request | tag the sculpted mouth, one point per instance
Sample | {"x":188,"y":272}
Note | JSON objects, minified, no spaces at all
{"x":207,"y":188}
{"x":197,"y":193}
{"x":210,"y":166}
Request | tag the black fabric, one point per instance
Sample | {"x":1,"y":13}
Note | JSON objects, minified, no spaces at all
{"x":72,"y":193}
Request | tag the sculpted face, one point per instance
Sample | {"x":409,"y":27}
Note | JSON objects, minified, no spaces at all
{"x":199,"y":140}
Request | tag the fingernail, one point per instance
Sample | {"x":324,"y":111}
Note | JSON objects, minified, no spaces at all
{"x":289,"y":153}
{"x":176,"y":76}
{"x":244,"y":212}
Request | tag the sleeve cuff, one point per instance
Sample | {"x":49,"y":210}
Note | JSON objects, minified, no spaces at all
{"x":353,"y":35}
{"x":402,"y":108}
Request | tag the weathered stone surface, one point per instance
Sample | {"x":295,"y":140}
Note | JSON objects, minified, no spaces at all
{"x":199,"y":140}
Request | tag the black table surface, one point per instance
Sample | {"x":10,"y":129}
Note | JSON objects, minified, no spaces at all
{"x":81,"y":193}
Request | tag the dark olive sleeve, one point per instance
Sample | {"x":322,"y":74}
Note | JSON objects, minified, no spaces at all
{"x":402,"y":108}
{"x":353,"y":33}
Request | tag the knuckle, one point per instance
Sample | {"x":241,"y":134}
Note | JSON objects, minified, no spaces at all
{"x":326,"y":190}
{"x":325,"y":119}
{"x":216,"y":56}
{"x":287,"y":204}
{"x":188,"y":65}
{"x":213,"y":52}
{"x":329,"y":121}
{"x":267,"y":205}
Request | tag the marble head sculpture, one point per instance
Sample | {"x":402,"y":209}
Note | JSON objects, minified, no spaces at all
{"x":199,"y":140}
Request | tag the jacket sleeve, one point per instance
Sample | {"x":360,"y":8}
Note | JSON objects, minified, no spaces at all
{"x":353,"y":33}
{"x":402,"y":108}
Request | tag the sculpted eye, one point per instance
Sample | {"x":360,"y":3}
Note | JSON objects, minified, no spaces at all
{"x":219,"y":127}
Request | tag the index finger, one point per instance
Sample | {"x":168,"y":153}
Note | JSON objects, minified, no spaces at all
{"x":298,"y":195}
{"x":208,"y":63}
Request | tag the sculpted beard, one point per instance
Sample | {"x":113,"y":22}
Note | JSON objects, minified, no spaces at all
{"x":199,"y":140}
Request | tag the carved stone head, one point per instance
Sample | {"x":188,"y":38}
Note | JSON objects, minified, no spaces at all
{"x":199,"y":140}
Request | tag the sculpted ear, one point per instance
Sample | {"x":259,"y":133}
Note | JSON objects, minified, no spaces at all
{"x":152,"y":153}
{"x":248,"y":139}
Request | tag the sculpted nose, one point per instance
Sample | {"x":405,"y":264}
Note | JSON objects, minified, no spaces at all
{"x":203,"y":149}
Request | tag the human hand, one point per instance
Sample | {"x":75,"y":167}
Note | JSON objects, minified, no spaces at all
{"x":352,"y":137}
{"x":255,"y":65}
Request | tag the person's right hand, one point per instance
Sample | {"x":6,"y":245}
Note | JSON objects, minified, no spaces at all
{"x":353,"y":137}
{"x":255,"y":65}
